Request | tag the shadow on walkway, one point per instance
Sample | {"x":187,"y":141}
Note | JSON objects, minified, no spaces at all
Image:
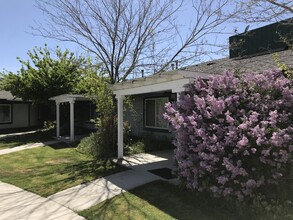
{"x":86,"y":195}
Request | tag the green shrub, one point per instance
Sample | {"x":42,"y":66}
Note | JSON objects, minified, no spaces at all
{"x":262,"y":209}
{"x":101,"y":144}
{"x":257,"y":208}
{"x":48,"y":125}
{"x":135,"y":148}
{"x":88,"y":144}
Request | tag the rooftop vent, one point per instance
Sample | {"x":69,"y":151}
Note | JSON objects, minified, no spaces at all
{"x":267,"y":39}
{"x":210,"y":63}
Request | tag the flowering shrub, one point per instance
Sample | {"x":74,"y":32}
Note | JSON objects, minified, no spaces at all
{"x":233,"y":134}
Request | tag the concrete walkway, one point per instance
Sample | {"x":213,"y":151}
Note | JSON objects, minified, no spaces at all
{"x":27,"y":146}
{"x":86,"y":195}
{"x":17,"y":134}
{"x":18,"y":204}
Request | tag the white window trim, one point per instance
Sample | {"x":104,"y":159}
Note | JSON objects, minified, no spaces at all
{"x":145,"y":118}
{"x":10,"y":115}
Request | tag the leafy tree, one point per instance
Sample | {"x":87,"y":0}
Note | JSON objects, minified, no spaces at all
{"x":44,"y":75}
{"x":102,"y":145}
{"x":287,"y":71}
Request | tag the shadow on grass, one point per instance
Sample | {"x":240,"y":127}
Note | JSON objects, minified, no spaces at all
{"x":62,"y":145}
{"x":183,"y":204}
{"x":61,"y":177}
{"x":175,"y":203}
{"x":128,"y":210}
{"x":15,"y":141}
{"x":80,"y":170}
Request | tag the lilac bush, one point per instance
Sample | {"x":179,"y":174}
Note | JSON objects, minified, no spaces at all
{"x":233,"y":133}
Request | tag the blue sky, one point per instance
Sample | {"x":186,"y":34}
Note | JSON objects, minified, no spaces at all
{"x":16,"y":17}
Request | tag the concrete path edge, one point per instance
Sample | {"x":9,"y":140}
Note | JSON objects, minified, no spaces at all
{"x":19,"y":204}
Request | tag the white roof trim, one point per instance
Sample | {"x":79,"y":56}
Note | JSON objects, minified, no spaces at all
{"x":69,"y":98}
{"x":173,"y":81}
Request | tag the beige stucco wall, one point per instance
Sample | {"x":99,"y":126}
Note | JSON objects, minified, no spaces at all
{"x":20,"y":117}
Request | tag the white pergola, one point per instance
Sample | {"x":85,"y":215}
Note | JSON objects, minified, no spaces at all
{"x":173,"y":81}
{"x":71,"y":100}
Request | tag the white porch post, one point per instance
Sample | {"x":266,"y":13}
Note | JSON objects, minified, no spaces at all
{"x":120,"y":124}
{"x":178,"y":96}
{"x":178,"y":92}
{"x":58,"y":119}
{"x":71,"y":120}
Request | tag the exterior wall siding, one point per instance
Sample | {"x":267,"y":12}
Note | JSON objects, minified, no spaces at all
{"x":135,"y":118}
{"x":24,"y":115}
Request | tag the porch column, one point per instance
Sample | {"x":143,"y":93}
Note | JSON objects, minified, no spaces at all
{"x":120,"y":124}
{"x":178,"y":92}
{"x":178,"y":96}
{"x":58,"y":119}
{"x":71,"y":120}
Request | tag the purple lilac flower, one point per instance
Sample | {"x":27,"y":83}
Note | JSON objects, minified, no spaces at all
{"x":273,"y":118}
{"x":243,"y":142}
{"x":228,"y":117}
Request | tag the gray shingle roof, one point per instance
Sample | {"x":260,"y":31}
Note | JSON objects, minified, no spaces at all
{"x":253,"y":64}
{"x":5,"y":95}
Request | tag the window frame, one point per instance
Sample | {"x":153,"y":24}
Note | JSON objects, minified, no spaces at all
{"x":144,"y":113}
{"x":10,"y":118}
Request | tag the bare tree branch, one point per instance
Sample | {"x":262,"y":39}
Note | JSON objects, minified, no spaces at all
{"x":286,"y":6}
{"x":128,"y":34}
{"x":265,"y":10}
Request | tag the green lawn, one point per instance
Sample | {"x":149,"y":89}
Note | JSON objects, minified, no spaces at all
{"x":47,"y":170}
{"x":15,"y":141}
{"x":161,"y":200}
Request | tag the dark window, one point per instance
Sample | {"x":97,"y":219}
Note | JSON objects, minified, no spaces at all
{"x":5,"y":113}
{"x":154,"y":109}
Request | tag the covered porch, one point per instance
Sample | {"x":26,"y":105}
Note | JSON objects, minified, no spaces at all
{"x":172,"y":81}
{"x":71,"y":99}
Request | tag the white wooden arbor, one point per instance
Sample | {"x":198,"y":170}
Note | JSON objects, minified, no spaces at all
{"x":172,"y":81}
{"x":71,"y":100}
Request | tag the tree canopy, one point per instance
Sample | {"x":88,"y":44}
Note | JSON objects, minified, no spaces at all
{"x":45,"y":75}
